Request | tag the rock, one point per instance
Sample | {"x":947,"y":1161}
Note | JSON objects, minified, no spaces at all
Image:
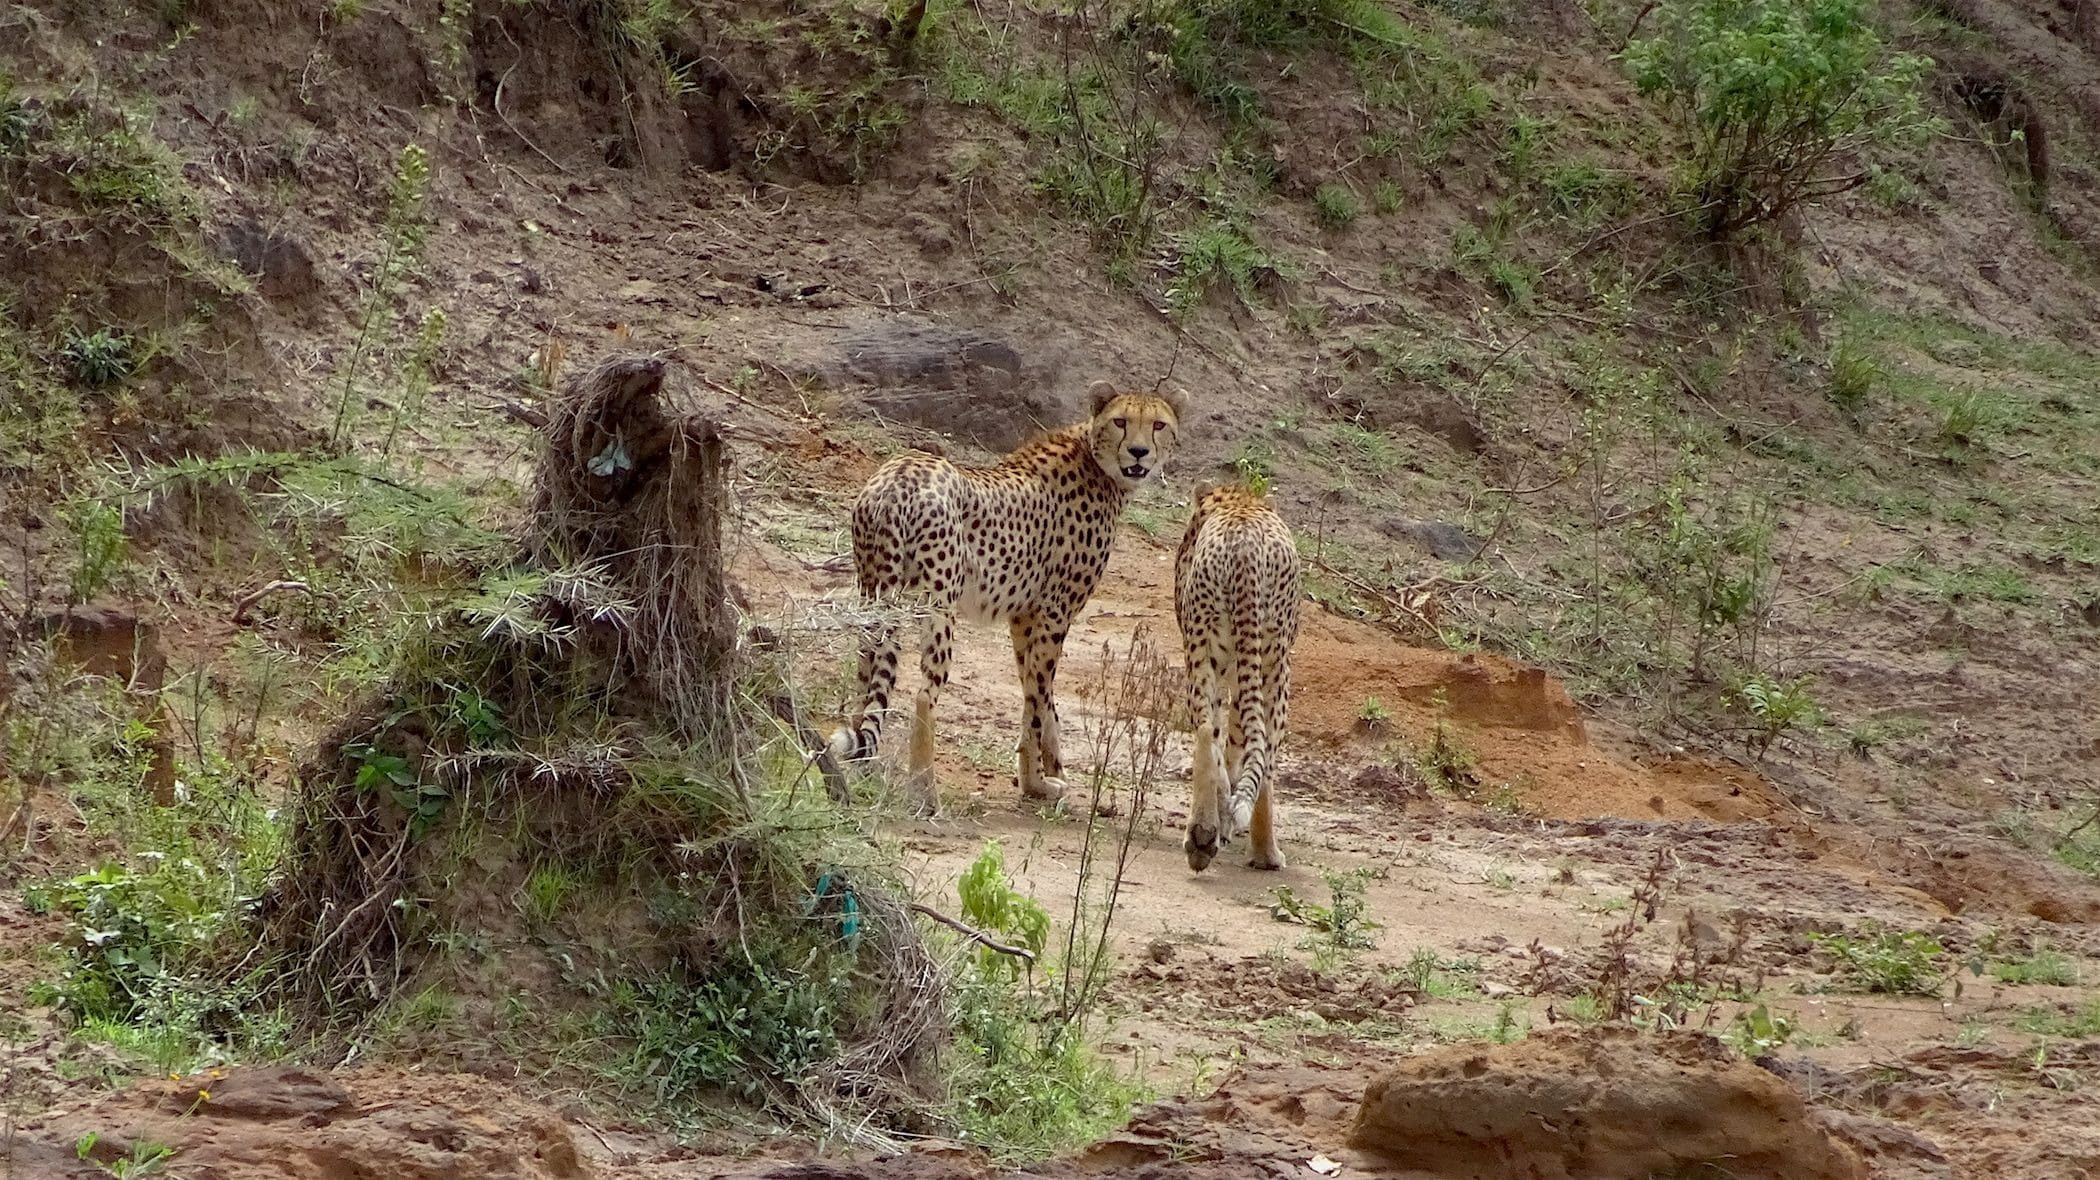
{"x":1962,"y":354}
{"x":269,"y":1093}
{"x":1438,"y":538}
{"x":1602,"y":1104}
{"x":954,"y":381}
{"x":1892,"y":1150}
{"x":281,"y":267}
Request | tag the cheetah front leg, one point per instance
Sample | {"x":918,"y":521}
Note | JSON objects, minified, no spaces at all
{"x":935,"y":658}
{"x":1039,"y":764}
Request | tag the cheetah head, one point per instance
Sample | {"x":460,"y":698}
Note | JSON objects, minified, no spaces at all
{"x":1132,"y":432}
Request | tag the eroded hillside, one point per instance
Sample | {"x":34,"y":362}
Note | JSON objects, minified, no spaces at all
{"x":1798,"y":510}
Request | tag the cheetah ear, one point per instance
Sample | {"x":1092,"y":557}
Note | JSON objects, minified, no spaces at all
{"x":1178,"y":401}
{"x":1098,"y":395}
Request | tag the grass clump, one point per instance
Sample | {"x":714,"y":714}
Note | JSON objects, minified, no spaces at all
{"x":1336,"y":206}
{"x":1853,"y":375}
{"x":1218,"y":254}
{"x":2042,"y":966}
{"x":1890,"y":962}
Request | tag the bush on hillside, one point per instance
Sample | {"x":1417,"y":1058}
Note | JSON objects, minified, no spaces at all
{"x":1780,"y":98}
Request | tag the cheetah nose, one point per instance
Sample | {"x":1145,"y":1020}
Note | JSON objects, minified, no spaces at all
{"x":1140,"y":452}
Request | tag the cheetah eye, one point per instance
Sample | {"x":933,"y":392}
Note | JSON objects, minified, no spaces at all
{"x":1159,"y":426}
{"x":1122,"y":423}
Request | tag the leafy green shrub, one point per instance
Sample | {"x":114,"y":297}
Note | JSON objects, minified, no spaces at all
{"x":1898,"y":963}
{"x":141,"y":967}
{"x":1025,"y":1081}
{"x":990,"y":902}
{"x":1336,"y":206}
{"x":1776,"y":94}
{"x":97,"y":359}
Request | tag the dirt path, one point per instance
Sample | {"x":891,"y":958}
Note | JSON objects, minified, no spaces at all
{"x":1568,"y":813}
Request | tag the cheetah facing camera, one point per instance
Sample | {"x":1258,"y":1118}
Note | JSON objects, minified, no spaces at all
{"x":1236,"y":599}
{"x":1021,"y":542}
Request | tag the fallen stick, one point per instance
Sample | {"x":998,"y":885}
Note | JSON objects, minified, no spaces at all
{"x":972,"y":933}
{"x":247,"y":601}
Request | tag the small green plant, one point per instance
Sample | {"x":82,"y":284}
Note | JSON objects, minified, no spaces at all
{"x":2070,"y":1023}
{"x":1757,"y":1031}
{"x":98,"y":359}
{"x":1892,"y":962}
{"x":1584,"y":192}
{"x":402,"y":236}
{"x":1773,"y":94}
{"x":990,"y":902}
{"x":145,"y":1158}
{"x":100,"y":547}
{"x":1373,"y":714}
{"x":1872,"y":733}
{"x":1387,"y":197}
{"x":378,"y":770}
{"x":750,"y":1027}
{"x":548,"y":891}
{"x":1968,"y":419}
{"x":1343,"y":924}
{"x":1336,"y":206}
{"x":1025,"y":1082}
{"x":1254,"y":462}
{"x":1431,"y":974}
{"x":1447,"y":764}
{"x":1891,"y":189}
{"x":1776,"y":708}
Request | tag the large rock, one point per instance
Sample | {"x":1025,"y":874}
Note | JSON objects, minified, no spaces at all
{"x":1607,"y":1104}
{"x":960,"y":382}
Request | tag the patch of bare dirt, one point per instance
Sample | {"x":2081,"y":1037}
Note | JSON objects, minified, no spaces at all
{"x":1261,"y":983}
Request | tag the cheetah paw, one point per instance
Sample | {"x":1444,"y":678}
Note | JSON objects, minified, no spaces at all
{"x":1049,"y":789}
{"x":1201,"y":846}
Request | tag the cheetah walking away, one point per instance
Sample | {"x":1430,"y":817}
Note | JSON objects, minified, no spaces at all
{"x":1022,"y":542}
{"x":1236,"y":599}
